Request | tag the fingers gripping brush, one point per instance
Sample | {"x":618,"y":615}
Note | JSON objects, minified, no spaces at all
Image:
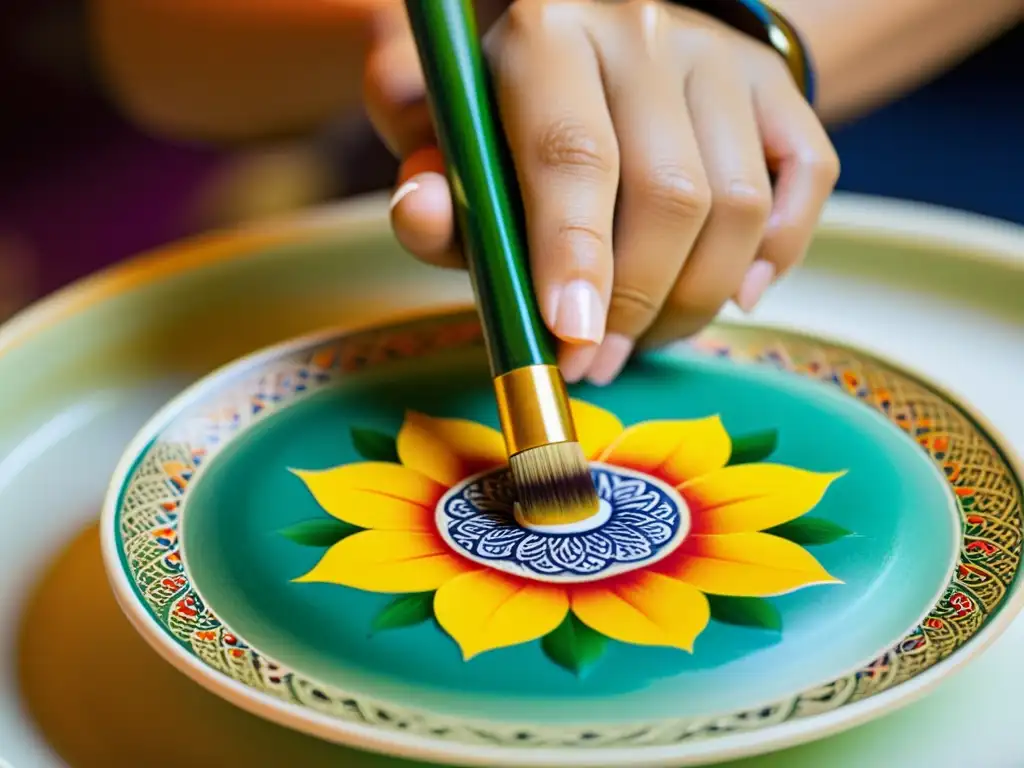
{"x":549,"y":470}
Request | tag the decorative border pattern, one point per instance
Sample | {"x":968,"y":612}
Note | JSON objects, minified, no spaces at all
{"x":988,"y":492}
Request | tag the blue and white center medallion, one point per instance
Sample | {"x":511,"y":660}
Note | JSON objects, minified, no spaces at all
{"x":640,"y":521}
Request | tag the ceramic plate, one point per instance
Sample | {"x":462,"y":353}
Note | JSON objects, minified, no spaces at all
{"x":793,"y":536}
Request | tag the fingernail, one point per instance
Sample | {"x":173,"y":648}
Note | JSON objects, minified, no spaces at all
{"x":574,"y":361}
{"x":610,"y":360}
{"x":755,"y":283}
{"x":402,"y":192}
{"x":549,"y":306}
{"x":580,"y":314}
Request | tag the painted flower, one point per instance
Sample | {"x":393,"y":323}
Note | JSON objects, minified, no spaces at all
{"x":726,"y":553}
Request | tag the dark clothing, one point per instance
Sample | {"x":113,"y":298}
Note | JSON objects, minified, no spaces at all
{"x":957,"y":142}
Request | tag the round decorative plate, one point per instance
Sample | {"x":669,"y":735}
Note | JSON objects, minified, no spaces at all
{"x":793,"y":537}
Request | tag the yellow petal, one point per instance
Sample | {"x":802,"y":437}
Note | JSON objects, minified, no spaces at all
{"x":375,"y":495}
{"x":381,"y":476}
{"x":745,"y":565}
{"x":449,"y":450}
{"x":487,"y":609}
{"x":752,"y":497}
{"x":595,"y":427}
{"x":644,"y":609}
{"x":388,"y":561}
{"x":676,"y":451}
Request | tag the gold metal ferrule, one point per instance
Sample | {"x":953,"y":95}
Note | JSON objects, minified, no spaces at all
{"x":533,"y":406}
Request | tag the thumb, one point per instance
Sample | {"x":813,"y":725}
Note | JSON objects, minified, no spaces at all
{"x":421,"y":210}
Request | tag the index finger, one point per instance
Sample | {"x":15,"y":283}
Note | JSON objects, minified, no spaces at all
{"x":563,"y":143}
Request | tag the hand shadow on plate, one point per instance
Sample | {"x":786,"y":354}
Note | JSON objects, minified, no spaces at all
{"x":103,"y":698}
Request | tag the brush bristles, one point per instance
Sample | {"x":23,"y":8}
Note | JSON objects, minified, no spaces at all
{"x":553,"y":484}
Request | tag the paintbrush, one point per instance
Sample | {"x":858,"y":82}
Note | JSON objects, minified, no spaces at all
{"x":550,"y":472}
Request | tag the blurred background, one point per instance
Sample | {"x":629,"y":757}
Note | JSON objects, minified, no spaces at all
{"x":83,"y":188}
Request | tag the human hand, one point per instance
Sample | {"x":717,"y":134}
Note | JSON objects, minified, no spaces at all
{"x":644,"y":135}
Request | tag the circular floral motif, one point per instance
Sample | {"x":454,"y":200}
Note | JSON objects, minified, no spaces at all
{"x":987,"y":487}
{"x":640,"y":521}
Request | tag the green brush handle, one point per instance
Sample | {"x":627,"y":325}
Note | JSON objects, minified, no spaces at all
{"x":486,"y":197}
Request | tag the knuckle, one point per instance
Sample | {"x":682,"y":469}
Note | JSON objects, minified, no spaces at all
{"x":637,"y":9}
{"x":692,"y":300}
{"x":522,"y":17}
{"x":636,"y":15}
{"x":569,"y":146}
{"x":633,"y":300}
{"x":631,"y":310}
{"x":584,"y":247}
{"x":708,"y":45}
{"x":825,"y":168}
{"x":557,"y":15}
{"x":533,"y":19}
{"x":745,"y":202}
{"x":507,"y":43}
{"x":494,"y":45}
{"x":503,"y":47}
{"x":670,"y":190}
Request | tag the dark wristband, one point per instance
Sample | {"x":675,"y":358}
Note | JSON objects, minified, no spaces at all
{"x":762,"y":22}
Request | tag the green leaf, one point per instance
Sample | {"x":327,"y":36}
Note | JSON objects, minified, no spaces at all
{"x":810,"y":531}
{"x":373,"y":445}
{"x":756,"y":446}
{"x":745,"y":612}
{"x":574,"y":646}
{"x":405,"y":611}
{"x":319,"y":533}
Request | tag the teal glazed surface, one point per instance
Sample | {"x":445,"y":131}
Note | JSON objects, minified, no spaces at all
{"x":893,"y":568}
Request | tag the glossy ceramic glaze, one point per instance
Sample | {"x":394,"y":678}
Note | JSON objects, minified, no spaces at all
{"x":315,"y":645}
{"x":950,"y":283}
{"x":892,"y":570}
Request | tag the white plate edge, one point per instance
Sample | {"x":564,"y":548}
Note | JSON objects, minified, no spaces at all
{"x":303,"y":719}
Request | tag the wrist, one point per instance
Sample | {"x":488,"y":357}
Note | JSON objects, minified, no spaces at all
{"x":805,"y":18}
{"x":768,"y":24}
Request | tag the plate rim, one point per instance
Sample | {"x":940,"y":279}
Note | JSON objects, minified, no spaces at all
{"x":396,"y":743}
{"x":948,"y":234}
